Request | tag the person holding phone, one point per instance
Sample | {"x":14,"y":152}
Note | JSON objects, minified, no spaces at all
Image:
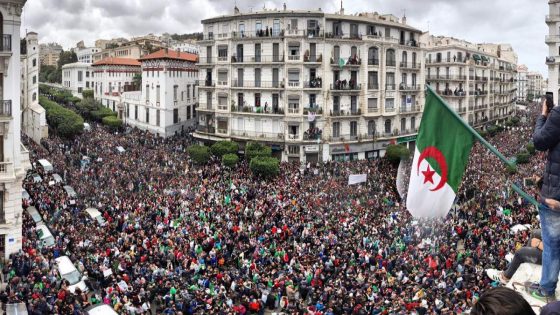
{"x":547,"y":138}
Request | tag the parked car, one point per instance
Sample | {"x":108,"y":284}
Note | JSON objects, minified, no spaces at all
{"x":68,"y":271}
{"x":101,"y":309}
{"x":25,"y":195}
{"x":46,"y":165}
{"x":70,"y":191}
{"x":34,"y":214}
{"x":94,"y":214}
{"x":45,"y":235}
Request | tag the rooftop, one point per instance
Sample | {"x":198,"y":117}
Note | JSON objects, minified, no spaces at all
{"x":171,"y":54}
{"x":112,"y":61}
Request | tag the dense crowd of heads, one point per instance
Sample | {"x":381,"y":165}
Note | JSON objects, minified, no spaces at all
{"x":184,"y":239}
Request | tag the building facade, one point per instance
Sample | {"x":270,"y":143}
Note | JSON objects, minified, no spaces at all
{"x":552,"y":40}
{"x":127,"y":52}
{"x":186,"y":46}
{"x":34,"y":121}
{"x":77,"y":77}
{"x":85,"y":54}
{"x":14,"y":158}
{"x":522,"y":86}
{"x":49,"y":54}
{"x":535,"y":85}
{"x":167,"y":101}
{"x":112,"y":77}
{"x":314,"y":86}
{"x":473,"y":78}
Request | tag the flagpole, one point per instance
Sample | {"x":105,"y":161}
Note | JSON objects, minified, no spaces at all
{"x":471,"y":129}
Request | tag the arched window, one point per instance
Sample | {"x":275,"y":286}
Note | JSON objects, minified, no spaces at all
{"x":390,"y":58}
{"x":413,"y":59}
{"x":34,"y":96}
{"x":438,"y":57}
{"x":373,"y":56}
{"x":404,"y":59}
{"x":388,"y":126}
{"x":371,"y":127}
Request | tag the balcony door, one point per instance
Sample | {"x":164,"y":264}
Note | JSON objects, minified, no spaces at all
{"x":1,"y":148}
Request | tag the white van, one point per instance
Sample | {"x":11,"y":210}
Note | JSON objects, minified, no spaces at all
{"x":47,"y":166}
{"x":25,"y":195}
{"x":57,"y":178}
{"x":45,"y":235}
{"x":34,"y":214}
{"x":68,"y":271}
{"x":101,"y":309}
{"x":70,"y":191}
{"x":96,"y":215}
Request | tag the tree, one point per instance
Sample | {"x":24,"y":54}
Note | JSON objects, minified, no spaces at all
{"x":230,"y":160}
{"x":254,"y":149}
{"x":200,"y":154}
{"x":137,"y":81}
{"x":112,"y":122}
{"x":221,"y":148}
{"x":396,"y":152}
{"x":46,"y":73}
{"x":523,"y":157}
{"x":65,"y":122}
{"x":264,"y":166}
{"x":530,"y":148}
{"x":87,"y":94}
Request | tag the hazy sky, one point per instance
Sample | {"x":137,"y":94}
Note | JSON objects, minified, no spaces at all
{"x":518,"y":22}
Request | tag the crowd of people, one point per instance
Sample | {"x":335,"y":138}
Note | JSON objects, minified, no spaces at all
{"x":186,"y":239}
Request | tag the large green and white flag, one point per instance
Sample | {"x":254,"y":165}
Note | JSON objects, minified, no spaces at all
{"x":442,"y":151}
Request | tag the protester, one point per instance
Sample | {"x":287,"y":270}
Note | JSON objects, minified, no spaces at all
{"x":502,"y":301}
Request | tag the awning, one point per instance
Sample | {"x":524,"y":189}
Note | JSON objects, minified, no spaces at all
{"x":476,"y":57}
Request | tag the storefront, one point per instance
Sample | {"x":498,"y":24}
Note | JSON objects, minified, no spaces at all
{"x":409,"y":141}
{"x":378,"y":150}
{"x":311,"y":153}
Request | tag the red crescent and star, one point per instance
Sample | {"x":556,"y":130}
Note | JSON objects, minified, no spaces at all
{"x":433,"y":152}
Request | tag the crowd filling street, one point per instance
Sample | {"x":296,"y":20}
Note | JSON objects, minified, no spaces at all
{"x":178,"y":238}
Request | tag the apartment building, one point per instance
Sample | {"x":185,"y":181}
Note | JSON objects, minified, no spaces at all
{"x":552,"y":40}
{"x":49,"y":54}
{"x":522,"y":86}
{"x":124,"y":52}
{"x":535,"y":85}
{"x":166,"y":103}
{"x":85,"y":54}
{"x":477,"y":80}
{"x":113,"y":76}
{"x":77,"y":77}
{"x":34,"y":121}
{"x":14,"y":157}
{"x":312,"y":85}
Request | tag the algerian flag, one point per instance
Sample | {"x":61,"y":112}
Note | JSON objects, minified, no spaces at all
{"x":442,"y":151}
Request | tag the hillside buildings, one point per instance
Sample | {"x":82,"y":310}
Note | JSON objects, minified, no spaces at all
{"x":14,"y":157}
{"x":49,"y":54}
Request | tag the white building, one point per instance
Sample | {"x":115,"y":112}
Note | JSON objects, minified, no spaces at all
{"x":167,"y":102}
{"x":34,"y":121}
{"x":77,"y":77}
{"x":85,"y":55}
{"x":14,"y":158}
{"x":113,"y":76}
{"x":190,"y":47}
{"x":475,"y":79}
{"x":535,"y":85}
{"x":314,"y":86}
{"x":553,"y":42}
{"x":522,"y":86}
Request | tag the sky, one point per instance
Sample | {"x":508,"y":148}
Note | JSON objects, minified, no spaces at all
{"x":517,"y":22}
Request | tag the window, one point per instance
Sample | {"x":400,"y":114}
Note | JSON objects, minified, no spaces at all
{"x":390,"y":81}
{"x":276,"y":27}
{"x":336,"y":103}
{"x":222,"y":53}
{"x":373,"y":84}
{"x":404,"y":59}
{"x":390,"y":103}
{"x":390,"y":62}
{"x":34,"y":79}
{"x":413,"y":123}
{"x":336,"y":54}
{"x":257,"y":99}
{"x":127,"y":110}
{"x":147,"y":92}
{"x":353,"y":128}
{"x":80,"y":74}
{"x":373,"y":56}
{"x":158,"y":94}
{"x":371,"y":128}
{"x":336,"y":129}
{"x":403,"y":124}
{"x":293,"y":104}
{"x":147,"y":115}
{"x":175,"y":92}
{"x":354,"y":30}
{"x":34,"y":62}
{"x":34,"y":96}
{"x":157,"y":117}
{"x":388,"y":126}
{"x":372,"y":105}
{"x":293,"y":78}
{"x":189,"y":112}
{"x":87,"y":74}
{"x":175,"y":115}
{"x":188,"y":91}
{"x":80,"y":90}
{"x":136,"y":112}
{"x":222,"y":102}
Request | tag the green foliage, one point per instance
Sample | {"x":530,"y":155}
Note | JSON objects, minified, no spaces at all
{"x":224,"y":147}
{"x":396,"y":152}
{"x":255,"y":149}
{"x":523,"y":157}
{"x":102,"y":112}
{"x":493,"y":130}
{"x":511,"y":170}
{"x":75,"y":100}
{"x":112,"y":122}
{"x":47,"y":74}
{"x":200,"y":154}
{"x":264,"y":166}
{"x":230,"y":160}
{"x":64,"y":121}
{"x":530,"y":148}
{"x":62,"y":96}
{"x":515,"y":120}
{"x":137,"y":81}
{"x":87,"y":93}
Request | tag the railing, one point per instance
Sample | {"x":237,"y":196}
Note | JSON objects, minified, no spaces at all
{"x":293,"y":137}
{"x":313,"y":84}
{"x":349,"y":62}
{"x":390,"y":87}
{"x":404,"y":87}
{"x":312,"y":136}
{"x":318,"y":110}
{"x":343,"y":36}
{"x":344,"y":137}
{"x":206,"y":83}
{"x":547,"y":39}
{"x":450,"y":93}
{"x":371,"y":110}
{"x":447,"y":77}
{"x":254,"y":134}
{"x":6,"y":43}
{"x":293,"y":83}
{"x":257,"y":110}
{"x":461,"y":110}
{"x":345,"y":87}
{"x":293,"y":110}
{"x":352,"y":112}
{"x":206,"y":129}
{"x":6,"y":169}
{"x":373,"y":86}
{"x":206,"y":60}
{"x":410,"y":65}
{"x":410,"y":109}
{"x":258,"y":34}
{"x":257,"y":59}
{"x":6,"y":108}
{"x":294,"y":57}
{"x":257,"y":84}
{"x":447,"y":60}
{"x":391,"y":63}
{"x":309,"y":33}
{"x":313,"y":58}
{"x":373,"y":61}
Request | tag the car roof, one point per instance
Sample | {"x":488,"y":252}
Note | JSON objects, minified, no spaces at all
{"x":93,"y":212}
{"x":65,"y":265}
{"x":102,"y":309}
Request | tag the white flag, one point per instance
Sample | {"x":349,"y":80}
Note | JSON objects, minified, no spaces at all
{"x":357,"y":178}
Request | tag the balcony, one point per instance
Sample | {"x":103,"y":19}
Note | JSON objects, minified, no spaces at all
{"x":342,"y":86}
{"x":310,"y":33}
{"x":550,"y":39}
{"x":258,"y":59}
{"x":410,"y":65}
{"x":390,"y":87}
{"x":552,"y":18}
{"x":294,"y":57}
{"x":550,"y":60}
{"x":449,"y":93}
{"x":257,"y":84}
{"x":293,"y":137}
{"x":340,"y":35}
{"x":6,"y":45}
{"x":373,"y":62}
{"x":205,"y":129}
{"x":206,"y":84}
{"x":446,"y":78}
{"x":6,"y":171}
{"x":6,"y":108}
{"x":206,"y":61}
{"x":446,"y":60}
{"x":257,"y":34}
{"x":346,"y":113}
{"x":270,"y":136}
{"x":344,"y":137}
{"x":315,"y":109}
{"x":313,"y":134}
{"x":257,"y":110}
{"x":351,"y":62}
{"x":373,"y":86}
{"x":410,"y":109}
{"x":312,"y":59}
{"x":404,"y":87}
{"x":313,"y":84}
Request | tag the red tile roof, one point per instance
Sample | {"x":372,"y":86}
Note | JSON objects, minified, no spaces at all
{"x":171,"y":54}
{"x":112,"y":61}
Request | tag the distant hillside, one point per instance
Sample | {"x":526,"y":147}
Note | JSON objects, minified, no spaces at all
{"x":196,"y":36}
